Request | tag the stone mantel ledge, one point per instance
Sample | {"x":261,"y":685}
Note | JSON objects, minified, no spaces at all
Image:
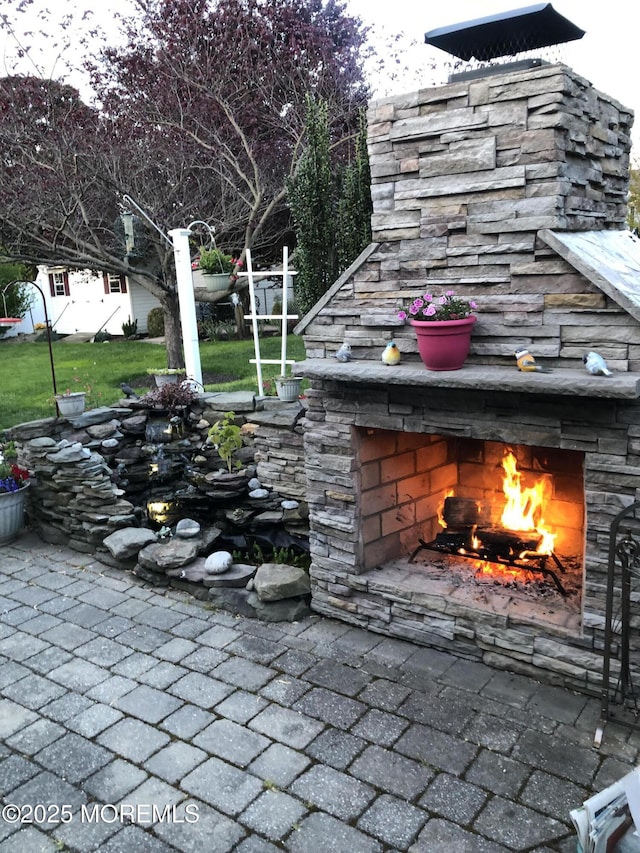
{"x":476,"y":377}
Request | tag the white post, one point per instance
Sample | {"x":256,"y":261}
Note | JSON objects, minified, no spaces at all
{"x":285,"y":302}
{"x":254,"y":323}
{"x":186,"y":298}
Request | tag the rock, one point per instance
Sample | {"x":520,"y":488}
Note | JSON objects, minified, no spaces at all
{"x":187,"y":528}
{"x":275,"y":581}
{"x":233,"y":600}
{"x":237,"y":576}
{"x":218,"y":562}
{"x":170,"y":554}
{"x":110,"y":443}
{"x":103,"y":430}
{"x":286,"y":610}
{"x":258,"y":494}
{"x":254,"y":483}
{"x":195,"y":572}
{"x":289,"y":504}
{"x":125,"y":543}
{"x":151,"y":577}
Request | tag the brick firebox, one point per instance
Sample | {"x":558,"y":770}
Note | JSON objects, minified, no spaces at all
{"x":361,"y":571}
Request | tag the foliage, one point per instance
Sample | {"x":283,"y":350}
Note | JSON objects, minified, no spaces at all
{"x":155,"y":323}
{"x":27,"y":385}
{"x":311,"y":197}
{"x":166,"y":371}
{"x":182,"y":124}
{"x":289,"y":556}
{"x":432,"y":308}
{"x":18,"y":296}
{"x":330,"y":205}
{"x":12,"y":476}
{"x":226,"y":436}
{"x":130,"y":328}
{"x":174,"y":396}
{"x":355,"y":207}
{"x":633,"y":214}
{"x":217,"y":330}
{"x":215,"y":261}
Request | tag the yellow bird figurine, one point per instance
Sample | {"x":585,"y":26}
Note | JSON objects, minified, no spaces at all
{"x":527,"y":363}
{"x":391,"y":354}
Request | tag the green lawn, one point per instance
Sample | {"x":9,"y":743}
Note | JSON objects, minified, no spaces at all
{"x":26,"y":389}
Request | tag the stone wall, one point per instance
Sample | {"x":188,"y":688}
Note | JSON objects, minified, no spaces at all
{"x":391,"y":598}
{"x":465,"y":180}
{"x":97,"y":473}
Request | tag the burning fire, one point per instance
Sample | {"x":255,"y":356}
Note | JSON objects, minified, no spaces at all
{"x":525,"y":505}
{"x":523,"y":509}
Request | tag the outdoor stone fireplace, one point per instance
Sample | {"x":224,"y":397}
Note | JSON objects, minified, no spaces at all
{"x":510,"y":190}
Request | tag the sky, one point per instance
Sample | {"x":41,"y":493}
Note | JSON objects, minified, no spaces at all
{"x":606,"y":54}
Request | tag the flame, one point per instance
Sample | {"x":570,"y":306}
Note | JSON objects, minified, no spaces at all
{"x":524,"y":505}
{"x":450,"y":493}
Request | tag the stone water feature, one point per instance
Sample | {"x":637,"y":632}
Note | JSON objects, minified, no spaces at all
{"x":143,"y":490}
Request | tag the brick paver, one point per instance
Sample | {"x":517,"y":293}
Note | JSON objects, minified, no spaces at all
{"x":165,"y":726}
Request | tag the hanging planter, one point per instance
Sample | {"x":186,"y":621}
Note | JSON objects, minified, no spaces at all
{"x":71,"y":404}
{"x":216,"y":281}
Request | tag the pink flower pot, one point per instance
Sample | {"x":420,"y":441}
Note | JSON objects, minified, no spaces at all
{"x":444,"y":344}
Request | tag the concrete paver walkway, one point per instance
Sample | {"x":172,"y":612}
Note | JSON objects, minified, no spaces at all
{"x":137,"y":719}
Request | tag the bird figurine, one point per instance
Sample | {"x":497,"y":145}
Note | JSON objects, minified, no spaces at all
{"x":595,"y":364}
{"x":527,"y":363}
{"x":391,"y":354}
{"x":344,"y":353}
{"x":128,"y":391}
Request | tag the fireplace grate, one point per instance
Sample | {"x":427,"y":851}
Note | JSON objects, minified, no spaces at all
{"x":503,"y":547}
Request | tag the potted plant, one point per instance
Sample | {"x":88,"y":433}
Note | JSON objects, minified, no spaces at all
{"x":217,"y":267}
{"x":288,"y":388}
{"x":443,"y":325}
{"x":14,"y":482}
{"x":167,"y":375}
{"x":71,"y":403}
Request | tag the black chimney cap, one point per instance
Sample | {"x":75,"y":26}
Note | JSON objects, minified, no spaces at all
{"x":505,"y":34}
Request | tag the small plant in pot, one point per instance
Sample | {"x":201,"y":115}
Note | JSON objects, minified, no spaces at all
{"x":13,"y":486}
{"x":218,"y":267}
{"x":288,"y":388}
{"x":167,"y":375}
{"x":71,"y":403}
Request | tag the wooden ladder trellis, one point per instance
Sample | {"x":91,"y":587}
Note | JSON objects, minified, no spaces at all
{"x":284,"y":317}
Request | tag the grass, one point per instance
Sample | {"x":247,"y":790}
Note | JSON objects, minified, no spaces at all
{"x":26,"y":390}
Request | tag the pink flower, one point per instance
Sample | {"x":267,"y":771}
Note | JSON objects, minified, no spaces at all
{"x":430,"y":310}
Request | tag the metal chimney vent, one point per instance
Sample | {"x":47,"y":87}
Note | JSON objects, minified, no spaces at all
{"x":505,"y":35}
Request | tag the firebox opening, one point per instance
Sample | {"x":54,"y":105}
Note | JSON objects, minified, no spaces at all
{"x":477,"y":515}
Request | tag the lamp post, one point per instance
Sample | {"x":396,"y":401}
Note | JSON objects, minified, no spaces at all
{"x":46,"y":320}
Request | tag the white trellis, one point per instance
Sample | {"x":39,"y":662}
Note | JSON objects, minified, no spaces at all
{"x":284,"y":317}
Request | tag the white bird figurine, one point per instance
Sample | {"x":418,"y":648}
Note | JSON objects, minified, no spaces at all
{"x":391,"y":354}
{"x":595,"y":364}
{"x":344,"y":353}
{"x":527,"y":363}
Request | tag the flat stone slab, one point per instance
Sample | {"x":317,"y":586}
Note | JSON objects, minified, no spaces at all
{"x":475,"y":377}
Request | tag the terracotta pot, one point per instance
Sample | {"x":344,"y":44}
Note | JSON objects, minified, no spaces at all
{"x":444,"y":344}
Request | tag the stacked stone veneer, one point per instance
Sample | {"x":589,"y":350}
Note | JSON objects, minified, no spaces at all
{"x":468,"y":181}
{"x":90,"y":474}
{"x":565,"y":647}
{"x":466,"y":178}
